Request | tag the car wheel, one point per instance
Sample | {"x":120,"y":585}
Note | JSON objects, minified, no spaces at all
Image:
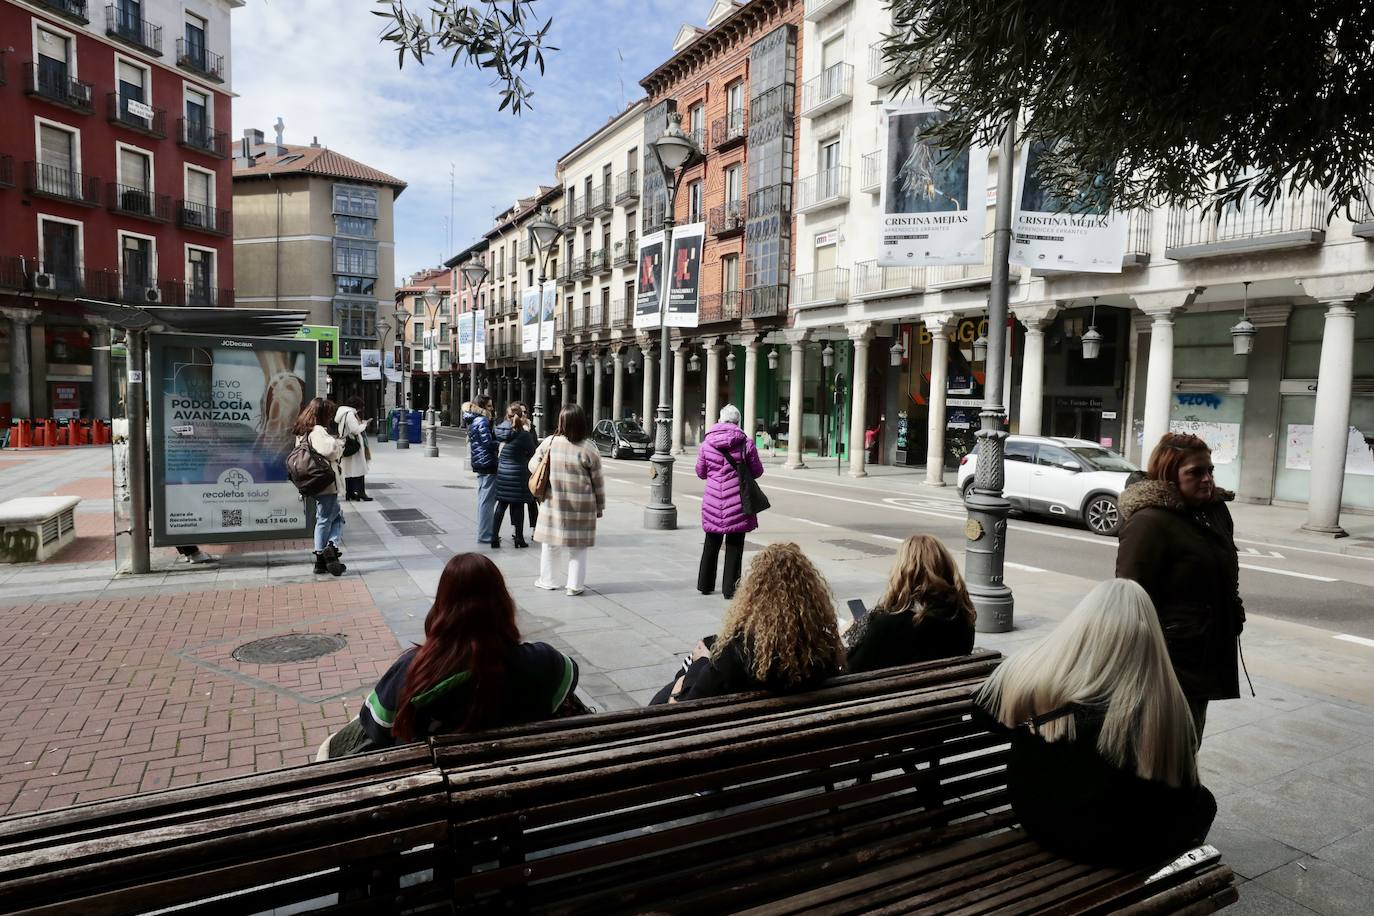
{"x":615,"y":452}
{"x":963,"y":491}
{"x":1102,"y":515}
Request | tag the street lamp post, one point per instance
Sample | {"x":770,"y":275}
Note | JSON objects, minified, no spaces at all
{"x":675,"y":149}
{"x":383,"y":329}
{"x":544,"y":233}
{"x":431,"y":299}
{"x":986,"y":530}
{"x":402,"y":429}
{"x":475,"y":273}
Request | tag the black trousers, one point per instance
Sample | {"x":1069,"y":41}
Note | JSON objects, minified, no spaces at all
{"x":355,"y":487}
{"x":734,"y":560}
{"x":517,"y":518}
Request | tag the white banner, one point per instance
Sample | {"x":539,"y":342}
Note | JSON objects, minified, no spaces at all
{"x":529,"y":317}
{"x":648,"y":282}
{"x":472,"y":345}
{"x":1048,"y":233}
{"x":932,"y":200}
{"x":371,"y":361}
{"x":684,"y":282}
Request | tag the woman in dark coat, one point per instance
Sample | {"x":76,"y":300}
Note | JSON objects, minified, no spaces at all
{"x":725,"y":452}
{"x":1176,"y":541}
{"x":512,"y":474}
{"x":926,"y":612}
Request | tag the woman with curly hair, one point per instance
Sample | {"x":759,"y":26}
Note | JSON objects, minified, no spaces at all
{"x":779,"y":634}
{"x":925,"y":613}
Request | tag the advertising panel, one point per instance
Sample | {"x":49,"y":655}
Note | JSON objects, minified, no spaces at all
{"x":1049,"y":233}
{"x":933,"y":200}
{"x":328,"y":338}
{"x":647,"y":293}
{"x":684,"y":283}
{"x":371,"y":362}
{"x":529,"y":317}
{"x":472,"y":337}
{"x":222,"y":413}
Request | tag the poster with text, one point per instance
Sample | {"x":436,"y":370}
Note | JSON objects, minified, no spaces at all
{"x":222,"y":410}
{"x":472,"y":337}
{"x":392,"y":373}
{"x":1359,"y":450}
{"x":1050,"y":233}
{"x":371,"y":364}
{"x":647,"y":292}
{"x":530,"y":317}
{"x":933,"y":200}
{"x":684,"y":280}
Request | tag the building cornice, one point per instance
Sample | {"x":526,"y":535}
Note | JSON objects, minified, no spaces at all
{"x":725,"y":35}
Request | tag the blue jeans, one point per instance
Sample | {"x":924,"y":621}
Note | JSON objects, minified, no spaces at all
{"x":486,"y":505}
{"x":329,"y":520}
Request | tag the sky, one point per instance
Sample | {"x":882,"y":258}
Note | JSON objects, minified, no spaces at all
{"x":319,"y":65}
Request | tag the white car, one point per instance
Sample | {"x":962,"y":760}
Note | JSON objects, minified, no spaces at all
{"x":1048,"y":475}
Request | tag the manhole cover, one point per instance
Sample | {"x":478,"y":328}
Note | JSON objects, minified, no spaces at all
{"x":280,"y":650}
{"x":403,"y":515}
{"x":872,"y":550}
{"x":382,"y":486}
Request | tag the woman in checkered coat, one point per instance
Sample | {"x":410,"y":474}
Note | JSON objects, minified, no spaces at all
{"x":577,"y":497}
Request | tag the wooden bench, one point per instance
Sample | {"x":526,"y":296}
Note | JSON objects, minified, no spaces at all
{"x":877,"y":793}
{"x":35,"y":528}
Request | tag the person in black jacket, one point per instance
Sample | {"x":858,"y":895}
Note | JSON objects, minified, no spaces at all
{"x":779,"y":633}
{"x":512,"y":473}
{"x":482,"y":456}
{"x":926,"y":612}
{"x":1177,"y":542}
{"x":1103,"y":764}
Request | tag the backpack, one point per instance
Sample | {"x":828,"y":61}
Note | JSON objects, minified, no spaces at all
{"x":310,"y":471}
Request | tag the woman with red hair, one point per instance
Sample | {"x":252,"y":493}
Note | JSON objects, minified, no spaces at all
{"x":471,"y":673}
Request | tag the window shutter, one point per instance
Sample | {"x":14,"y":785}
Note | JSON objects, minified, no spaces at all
{"x":133,"y":169}
{"x":57,"y":148}
{"x":198,"y":188}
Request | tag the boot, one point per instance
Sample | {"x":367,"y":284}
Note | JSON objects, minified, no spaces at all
{"x":320,"y":567}
{"x":333,"y":565}
{"x":496,"y":541}
{"x":519,"y":540}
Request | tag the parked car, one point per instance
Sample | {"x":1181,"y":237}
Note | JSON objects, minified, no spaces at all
{"x":622,"y":439}
{"x":1048,"y":475}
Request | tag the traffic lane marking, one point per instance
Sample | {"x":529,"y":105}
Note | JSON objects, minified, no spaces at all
{"x":1287,"y":572}
{"x":1357,"y":640}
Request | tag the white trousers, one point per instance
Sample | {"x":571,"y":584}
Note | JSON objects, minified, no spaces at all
{"x":577,"y":565}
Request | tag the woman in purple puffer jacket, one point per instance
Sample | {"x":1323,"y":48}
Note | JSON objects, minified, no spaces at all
{"x":722,"y":513}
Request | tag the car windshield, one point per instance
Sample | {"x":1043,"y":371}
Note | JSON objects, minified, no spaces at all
{"x":629,"y":428}
{"x":1102,"y":459}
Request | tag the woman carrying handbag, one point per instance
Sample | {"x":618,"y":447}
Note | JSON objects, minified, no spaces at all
{"x":729,"y":463}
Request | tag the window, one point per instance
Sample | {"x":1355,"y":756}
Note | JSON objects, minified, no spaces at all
{"x":1020,"y":451}
{"x":607,"y":183}
{"x":355,"y":257}
{"x":694,"y":202}
{"x":196,"y":27}
{"x":734,"y":104}
{"x":200,"y":277}
{"x":57,"y":161}
{"x":198,"y":208}
{"x":697,"y":119}
{"x":1050,"y":456}
{"x":632,"y":159}
{"x":732,"y":184}
{"x":133,"y":87}
{"x":54,"y":62}
{"x":197,"y":118}
{"x":443,"y":333}
{"x":135,"y":181}
{"x":355,"y":201}
{"x":417,"y":331}
{"x":355,"y":225}
{"x":135,"y":266}
{"x":729,"y":273}
{"x":445,"y":361}
{"x":60,"y":254}
{"x":355,"y":286}
{"x":357,"y":323}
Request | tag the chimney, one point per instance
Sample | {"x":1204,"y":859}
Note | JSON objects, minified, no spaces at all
{"x":280,"y":128}
{"x":253,"y":136}
{"x":314,"y":142}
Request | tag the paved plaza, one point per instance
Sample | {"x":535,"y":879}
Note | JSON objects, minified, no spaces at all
{"x":118,"y":685}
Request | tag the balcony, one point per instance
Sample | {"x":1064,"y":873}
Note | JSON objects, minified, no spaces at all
{"x":833,"y":88}
{"x":141,"y":203}
{"x":525,"y":251}
{"x":765,"y":301}
{"x":138,"y":290}
{"x":74,"y":10}
{"x":136,"y":116}
{"x":824,"y":189}
{"x":816,"y":10}
{"x":871,"y":172}
{"x":599,"y":202}
{"x":599,"y":262}
{"x":622,"y":313}
{"x":627,"y":187}
{"x":959,"y":276}
{"x":564,"y":276}
{"x":58,"y":88}
{"x":60,"y":184}
{"x":727,"y":220}
{"x":626,"y":251}
{"x":569,"y":222}
{"x":596,"y":317}
{"x":1290,"y":221}
{"x":874,"y":282}
{"x":202,"y":138}
{"x":6,"y":171}
{"x":880,"y":71}
{"x":198,"y":60}
{"x":721,"y":306}
{"x":198,"y":295}
{"x":123,"y":25}
{"x":1140,"y":227}
{"x":822,"y":288}
{"x":28,"y":275}
{"x":204,"y":218}
{"x":582,"y":211}
{"x":698,"y":135}
{"x":730,"y":130}
{"x":581,"y":268}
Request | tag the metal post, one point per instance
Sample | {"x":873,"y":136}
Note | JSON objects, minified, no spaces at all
{"x":140,"y":562}
{"x":402,"y":434}
{"x":986,"y":530}
{"x":539,"y":350}
{"x":660,"y":514}
{"x":432,"y":445}
{"x":381,"y":393}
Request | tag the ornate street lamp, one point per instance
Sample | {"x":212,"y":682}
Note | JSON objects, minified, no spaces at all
{"x":730,"y":360}
{"x":980,"y":348}
{"x":694,"y":364}
{"x":544,"y":235}
{"x":773,"y":359}
{"x":431,"y":300}
{"x":1243,"y":332}
{"x":896,"y":352}
{"x":383,"y":329}
{"x":475,"y":273}
{"x":402,"y":434}
{"x":1092,"y":338}
{"x":828,"y":355}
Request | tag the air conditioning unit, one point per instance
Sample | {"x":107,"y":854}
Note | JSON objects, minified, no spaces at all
{"x":44,"y":281}
{"x":190,"y":217}
{"x":152,"y":294}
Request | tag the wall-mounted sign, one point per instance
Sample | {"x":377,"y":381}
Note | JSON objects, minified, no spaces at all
{"x":327,"y":337}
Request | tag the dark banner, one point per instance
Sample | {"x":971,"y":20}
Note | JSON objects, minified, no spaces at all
{"x":647,"y":294}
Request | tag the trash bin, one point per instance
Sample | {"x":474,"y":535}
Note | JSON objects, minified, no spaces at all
{"x":413,"y":427}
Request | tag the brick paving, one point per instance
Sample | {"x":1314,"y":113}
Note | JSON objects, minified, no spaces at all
{"x":103,"y":698}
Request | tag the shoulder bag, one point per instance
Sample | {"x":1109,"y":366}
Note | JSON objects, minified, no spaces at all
{"x":751,"y":495}
{"x":539,"y":480}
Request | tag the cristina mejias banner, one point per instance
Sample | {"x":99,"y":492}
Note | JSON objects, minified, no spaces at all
{"x":222,"y":410}
{"x":933,"y":200}
{"x":1050,"y":233}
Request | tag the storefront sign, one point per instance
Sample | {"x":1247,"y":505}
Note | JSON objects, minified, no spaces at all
{"x":684,"y":281}
{"x":932,"y":200}
{"x":647,"y":294}
{"x":327,"y":336}
{"x":1049,"y":233}
{"x":66,"y":401}
{"x":222,"y":413}
{"x":529,"y":318}
{"x":371,"y":361}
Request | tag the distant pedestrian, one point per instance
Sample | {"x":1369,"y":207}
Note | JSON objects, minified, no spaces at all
{"x":577,"y":497}
{"x":512,"y":473}
{"x":1177,"y":542}
{"x":725,"y":452}
{"x":483,"y":458}
{"x":1103,"y":765}
{"x":312,"y":426}
{"x":926,"y":612}
{"x":357,"y":454}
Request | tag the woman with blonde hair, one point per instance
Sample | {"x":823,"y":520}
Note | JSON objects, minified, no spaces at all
{"x":779,"y":633}
{"x":1103,"y":765}
{"x":925,"y":613}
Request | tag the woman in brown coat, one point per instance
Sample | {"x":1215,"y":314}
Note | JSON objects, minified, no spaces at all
{"x":577,"y":497}
{"x":1176,"y":541}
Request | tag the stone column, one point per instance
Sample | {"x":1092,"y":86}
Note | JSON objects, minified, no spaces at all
{"x":100,"y":371}
{"x":795,"y":400}
{"x":860,"y":333}
{"x":679,"y":379}
{"x":596,"y":387}
{"x":1032,"y":408}
{"x":751,"y":384}
{"x":712,"y":382}
{"x":1159,"y":374}
{"x":580,"y":368}
{"x":650,"y":376}
{"x":939,"y":326}
{"x":21,"y":372}
{"x":618,"y":383}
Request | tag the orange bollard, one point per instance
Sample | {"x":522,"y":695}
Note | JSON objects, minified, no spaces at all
{"x":100,"y":433}
{"x":63,"y":436}
{"x":23,"y":433}
{"x":50,"y":433}
{"x":38,"y":437}
{"x":76,"y":432}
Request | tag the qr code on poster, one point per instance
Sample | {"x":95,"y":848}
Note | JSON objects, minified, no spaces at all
{"x":231,"y":518}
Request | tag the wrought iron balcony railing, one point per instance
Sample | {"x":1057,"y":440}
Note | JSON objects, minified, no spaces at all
{"x":824,"y":189}
{"x":833,"y":88}
{"x":765,"y":301}
{"x":871,"y":172}
{"x":599,"y":201}
{"x":727,"y":219}
{"x":824,"y":287}
{"x":204,"y":218}
{"x":71,"y":9}
{"x":140,"y":202}
{"x":730,"y":130}
{"x":873,"y":282}
{"x":880,"y":72}
{"x":57,"y":87}
{"x":622,"y":313}
{"x":131,"y":28}
{"x":723,"y":306}
{"x":6,"y":171}
{"x":198,"y":59}
{"x":626,"y":251}
{"x":61,"y":184}
{"x":627,"y":186}
{"x":1291,"y":220}
{"x":203,"y":138}
{"x":136,"y":116}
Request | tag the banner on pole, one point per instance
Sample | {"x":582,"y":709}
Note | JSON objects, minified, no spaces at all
{"x":371,"y":363}
{"x":529,"y":317}
{"x":429,"y":360}
{"x":392,"y":373}
{"x":647,"y":291}
{"x":1049,"y":233}
{"x":684,"y":283}
{"x":472,"y":337}
{"x":933,"y":200}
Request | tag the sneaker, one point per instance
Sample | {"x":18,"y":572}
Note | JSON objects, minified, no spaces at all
{"x":574,"y":592}
{"x":201,"y":556}
{"x":332,"y":563}
{"x":545,"y":586}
